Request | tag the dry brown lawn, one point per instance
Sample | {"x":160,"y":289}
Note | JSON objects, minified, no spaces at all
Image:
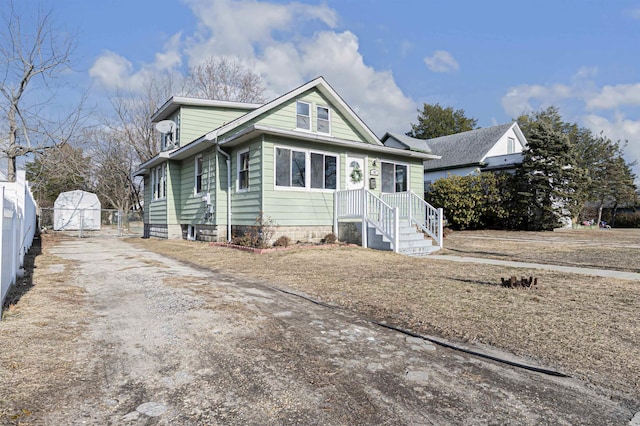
{"x":36,"y":361}
{"x":588,"y":327}
{"x":617,"y":249}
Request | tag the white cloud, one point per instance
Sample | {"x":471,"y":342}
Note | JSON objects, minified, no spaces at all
{"x":114,"y":71}
{"x":111,"y":69}
{"x":442,"y":61}
{"x":526,"y":98}
{"x":579,"y":99}
{"x":618,"y":128}
{"x":287,"y":44}
{"x":171,"y":58}
{"x":611,"y":97}
{"x":635,"y":13}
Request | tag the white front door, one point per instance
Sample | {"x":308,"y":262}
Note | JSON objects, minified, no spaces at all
{"x":356,"y":172}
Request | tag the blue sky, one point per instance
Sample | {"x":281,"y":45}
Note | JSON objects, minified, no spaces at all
{"x":494,"y":59}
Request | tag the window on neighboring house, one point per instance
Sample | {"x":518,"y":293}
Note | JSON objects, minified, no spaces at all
{"x":323,"y":123}
{"x":292,"y":166}
{"x":303,"y":115}
{"x":511,"y":145}
{"x":198,"y":186}
{"x":394,"y":177}
{"x":243,"y":170}
{"x":159,"y":182}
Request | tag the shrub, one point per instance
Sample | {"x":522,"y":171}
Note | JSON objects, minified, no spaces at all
{"x":627,"y":220}
{"x":245,"y":240}
{"x":282,"y":241}
{"x":258,"y":235}
{"x":330,"y":238}
{"x":487,"y":200}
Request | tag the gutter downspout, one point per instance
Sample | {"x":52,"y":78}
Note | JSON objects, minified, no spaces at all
{"x":228,"y":161}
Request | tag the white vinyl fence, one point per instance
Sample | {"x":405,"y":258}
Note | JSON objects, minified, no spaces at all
{"x":18,"y":227}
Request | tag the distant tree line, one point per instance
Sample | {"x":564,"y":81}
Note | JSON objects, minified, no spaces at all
{"x":568,"y":172}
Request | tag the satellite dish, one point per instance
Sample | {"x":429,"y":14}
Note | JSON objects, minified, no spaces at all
{"x":165,"y":126}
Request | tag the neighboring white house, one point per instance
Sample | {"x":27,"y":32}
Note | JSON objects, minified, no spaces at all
{"x":489,"y":149}
{"x":76,"y":210}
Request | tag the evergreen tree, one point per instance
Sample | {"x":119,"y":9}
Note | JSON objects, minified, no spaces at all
{"x":550,"y":176}
{"x":435,"y":121}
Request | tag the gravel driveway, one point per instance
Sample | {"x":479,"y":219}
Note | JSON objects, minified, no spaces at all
{"x":170,"y":344}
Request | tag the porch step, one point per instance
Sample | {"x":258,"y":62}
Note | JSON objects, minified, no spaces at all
{"x":412,"y":241}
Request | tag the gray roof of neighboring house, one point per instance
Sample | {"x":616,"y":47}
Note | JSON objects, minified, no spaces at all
{"x":411,"y":143}
{"x":464,"y":148}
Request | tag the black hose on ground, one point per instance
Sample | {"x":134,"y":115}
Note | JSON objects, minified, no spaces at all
{"x":436,"y":341}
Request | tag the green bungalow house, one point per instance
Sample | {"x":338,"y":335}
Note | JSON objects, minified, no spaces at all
{"x":305,"y":160}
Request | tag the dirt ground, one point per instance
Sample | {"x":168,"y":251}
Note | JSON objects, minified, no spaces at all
{"x":103,"y":332}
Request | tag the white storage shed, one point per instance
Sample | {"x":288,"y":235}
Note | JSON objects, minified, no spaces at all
{"x":76,"y":210}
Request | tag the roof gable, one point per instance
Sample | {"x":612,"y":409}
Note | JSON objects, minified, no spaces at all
{"x":318,"y":85}
{"x":466,"y":148}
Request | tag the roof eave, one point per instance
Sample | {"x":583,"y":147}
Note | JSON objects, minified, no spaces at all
{"x":255,"y":130}
{"x":175,"y":102}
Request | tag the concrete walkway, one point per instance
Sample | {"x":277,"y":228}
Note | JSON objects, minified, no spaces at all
{"x":607,"y":273}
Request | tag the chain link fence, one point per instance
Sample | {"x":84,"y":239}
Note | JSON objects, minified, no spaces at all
{"x":92,"y":223}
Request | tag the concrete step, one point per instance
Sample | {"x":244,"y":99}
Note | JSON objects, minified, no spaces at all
{"x":412,"y":242}
{"x":423,"y":251}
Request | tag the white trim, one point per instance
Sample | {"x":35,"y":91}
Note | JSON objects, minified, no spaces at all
{"x":238,"y":189}
{"x":159,"y":194}
{"x":175,"y":102}
{"x":195,"y":173}
{"x":310,"y":116}
{"x":307,"y":165}
{"x":328,"y":119}
{"x":322,"y":86}
{"x":365,"y":167}
{"x":408,"y":177}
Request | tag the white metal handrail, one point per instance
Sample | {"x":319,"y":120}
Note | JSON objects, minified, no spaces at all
{"x":417,"y":211}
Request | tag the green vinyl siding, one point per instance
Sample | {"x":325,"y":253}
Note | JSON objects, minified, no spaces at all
{"x":197,"y":121}
{"x":247,"y":204}
{"x":284,"y":117}
{"x":192,"y":205}
{"x":173,"y":192}
{"x":296,"y":207}
{"x":219,"y":188}
{"x":158,"y":212}
{"x":146,"y":197}
{"x":416,"y":177}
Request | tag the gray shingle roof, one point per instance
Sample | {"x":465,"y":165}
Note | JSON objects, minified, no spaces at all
{"x":464,"y":148}
{"x":412,"y":143}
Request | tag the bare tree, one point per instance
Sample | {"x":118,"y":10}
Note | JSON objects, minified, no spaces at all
{"x":58,"y":169}
{"x":113,"y":160}
{"x":33,"y":53}
{"x":130,"y":121}
{"x":224,"y":79}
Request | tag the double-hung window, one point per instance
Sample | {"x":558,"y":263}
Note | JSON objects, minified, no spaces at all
{"x":305,"y":169}
{"x":243,"y":170}
{"x":159,"y":182}
{"x":394,"y":177}
{"x":303,"y":115}
{"x":323,"y":123}
{"x":198,"y":165}
{"x":171,"y":139}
